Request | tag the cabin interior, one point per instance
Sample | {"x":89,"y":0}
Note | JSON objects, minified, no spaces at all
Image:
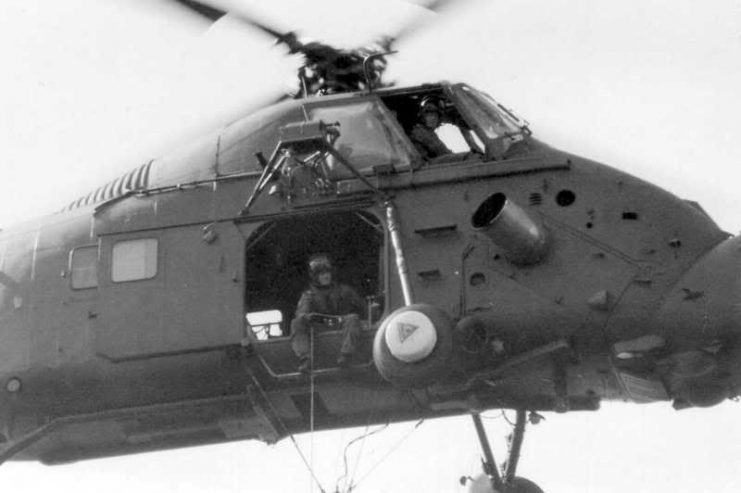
{"x":277,"y":257}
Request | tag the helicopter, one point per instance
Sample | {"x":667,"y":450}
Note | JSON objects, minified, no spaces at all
{"x":630,"y":218}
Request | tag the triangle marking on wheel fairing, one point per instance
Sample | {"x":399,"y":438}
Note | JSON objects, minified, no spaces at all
{"x":405,"y":330}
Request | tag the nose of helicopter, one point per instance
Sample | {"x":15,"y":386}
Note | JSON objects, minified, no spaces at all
{"x":701,"y":321}
{"x":707,"y":300}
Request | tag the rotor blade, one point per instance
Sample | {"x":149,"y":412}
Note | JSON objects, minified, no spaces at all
{"x":434,"y":6}
{"x":212,"y":13}
{"x":250,"y":21}
{"x":237,"y":111}
{"x":209,"y":12}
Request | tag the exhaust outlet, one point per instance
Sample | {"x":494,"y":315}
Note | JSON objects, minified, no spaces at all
{"x":522,"y":239}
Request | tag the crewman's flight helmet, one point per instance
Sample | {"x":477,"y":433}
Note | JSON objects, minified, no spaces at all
{"x":319,"y":263}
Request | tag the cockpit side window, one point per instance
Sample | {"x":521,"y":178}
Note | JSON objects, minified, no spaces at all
{"x":435,"y":126}
{"x":497,"y":125}
{"x":368,"y":136}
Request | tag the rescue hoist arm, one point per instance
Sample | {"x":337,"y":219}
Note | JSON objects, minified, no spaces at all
{"x":315,"y":137}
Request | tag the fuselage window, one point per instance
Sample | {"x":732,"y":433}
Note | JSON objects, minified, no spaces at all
{"x":83,"y":266}
{"x":134,"y":260}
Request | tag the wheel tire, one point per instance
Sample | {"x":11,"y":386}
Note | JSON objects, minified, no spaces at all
{"x":419,"y":370}
{"x":523,"y":485}
{"x":482,"y":484}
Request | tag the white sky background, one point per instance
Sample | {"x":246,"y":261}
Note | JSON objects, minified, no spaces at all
{"x":91,"y":88}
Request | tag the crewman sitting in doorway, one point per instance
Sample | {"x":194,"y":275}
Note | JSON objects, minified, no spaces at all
{"x":323,"y":299}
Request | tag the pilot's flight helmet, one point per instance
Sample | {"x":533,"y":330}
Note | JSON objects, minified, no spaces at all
{"x":431,"y":104}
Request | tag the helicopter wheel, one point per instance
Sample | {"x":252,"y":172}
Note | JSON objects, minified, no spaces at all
{"x":418,"y":357}
{"x":492,"y":481}
{"x":482,"y":484}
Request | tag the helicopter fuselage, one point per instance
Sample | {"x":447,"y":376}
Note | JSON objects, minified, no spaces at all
{"x":154,"y":313}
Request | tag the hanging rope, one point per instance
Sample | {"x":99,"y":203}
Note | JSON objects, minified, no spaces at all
{"x":283,"y":428}
{"x":312,"y":408}
{"x":393,"y":449}
{"x":500,"y":415}
{"x":506,"y":418}
{"x":360,"y":453}
{"x":348,"y":487}
{"x":306,"y":463}
{"x":368,"y":421}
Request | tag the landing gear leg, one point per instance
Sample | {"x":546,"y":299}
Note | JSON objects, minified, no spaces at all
{"x":515,"y":446}
{"x":492,"y":481}
{"x":488,"y":463}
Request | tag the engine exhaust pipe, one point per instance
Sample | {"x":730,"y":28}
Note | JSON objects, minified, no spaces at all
{"x":522,"y":239}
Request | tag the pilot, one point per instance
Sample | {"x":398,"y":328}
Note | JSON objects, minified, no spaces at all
{"x":423,"y":133}
{"x":326,"y":297}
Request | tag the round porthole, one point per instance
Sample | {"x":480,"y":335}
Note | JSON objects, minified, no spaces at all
{"x":565,"y":198}
{"x":13,"y":385}
{"x":477,"y":279}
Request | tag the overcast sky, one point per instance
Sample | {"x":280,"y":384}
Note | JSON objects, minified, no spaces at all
{"x":92,"y":88}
